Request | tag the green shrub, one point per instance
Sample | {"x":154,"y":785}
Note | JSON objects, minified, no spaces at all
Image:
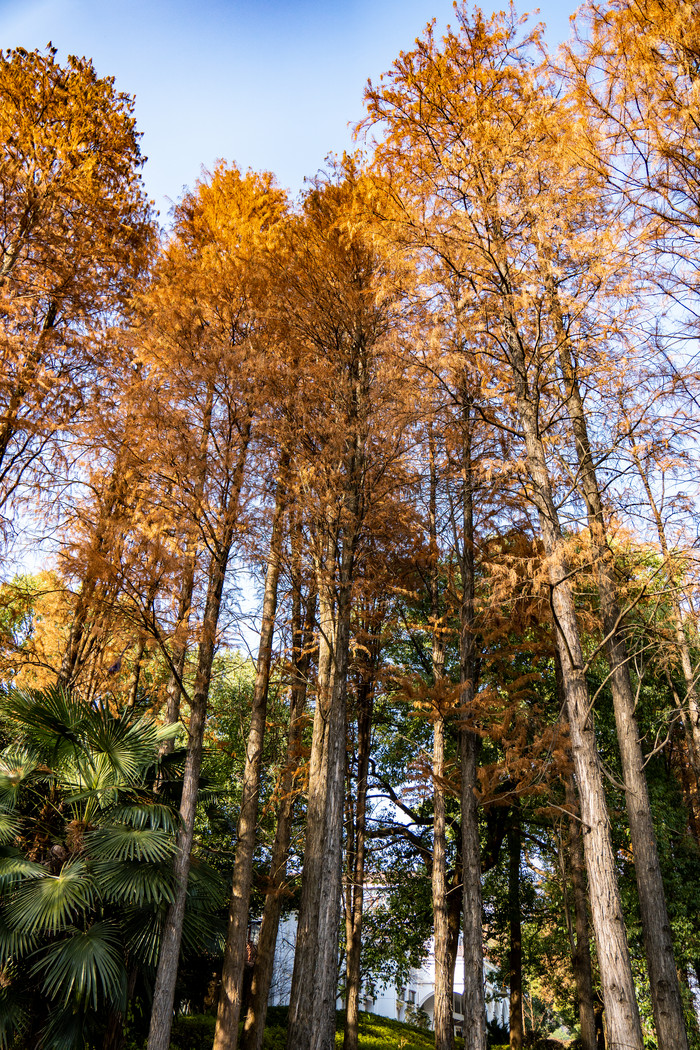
{"x":193,"y":1032}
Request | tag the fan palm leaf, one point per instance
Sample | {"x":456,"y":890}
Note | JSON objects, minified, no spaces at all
{"x":49,"y":903}
{"x":84,"y":965}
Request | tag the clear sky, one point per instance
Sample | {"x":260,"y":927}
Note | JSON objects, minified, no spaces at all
{"x":269,"y":84}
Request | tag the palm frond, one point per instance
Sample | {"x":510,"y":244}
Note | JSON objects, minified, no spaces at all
{"x":13,"y":1018}
{"x":125,"y":843}
{"x":127,"y":742}
{"x":14,"y":866}
{"x":10,"y":827}
{"x":131,"y":882}
{"x":51,"y":722}
{"x":144,"y":812}
{"x":50,"y":903}
{"x":83,"y":966}
{"x":14,"y":944}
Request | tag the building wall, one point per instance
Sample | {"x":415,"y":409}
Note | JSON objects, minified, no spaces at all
{"x":384,"y":998}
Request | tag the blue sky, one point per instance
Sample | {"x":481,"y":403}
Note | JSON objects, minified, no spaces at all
{"x":265,"y":83}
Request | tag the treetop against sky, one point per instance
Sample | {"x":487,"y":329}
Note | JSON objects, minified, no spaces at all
{"x":269,"y":84}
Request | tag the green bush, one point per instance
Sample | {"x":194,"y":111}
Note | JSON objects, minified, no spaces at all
{"x":194,"y":1032}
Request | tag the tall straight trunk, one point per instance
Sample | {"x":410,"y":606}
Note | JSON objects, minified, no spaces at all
{"x":454,"y":913}
{"x":166,"y":975}
{"x":692,"y":698}
{"x":515,"y":952}
{"x":474,"y":1005}
{"x":326,"y":976}
{"x":621,"y":1009}
{"x":581,"y":945}
{"x":164,"y":992}
{"x":663,"y":978}
{"x":179,"y":640}
{"x":302,"y":635}
{"x":226,"y":1032}
{"x":443,"y":1022}
{"x":442,"y":1017}
{"x":356,"y":859}
{"x":301,"y":1001}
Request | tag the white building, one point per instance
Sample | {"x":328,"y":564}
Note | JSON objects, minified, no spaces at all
{"x":386,"y":999}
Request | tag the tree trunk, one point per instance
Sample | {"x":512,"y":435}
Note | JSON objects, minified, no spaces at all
{"x":180,"y":636}
{"x":691,"y":691}
{"x":663,"y":978}
{"x":226,"y":1033}
{"x":164,"y":992}
{"x":166,"y":975}
{"x":302,"y":634}
{"x":356,"y":856}
{"x":469,"y":743}
{"x":442,"y":1018}
{"x":515,"y":954}
{"x":443,"y":1022}
{"x":325,"y":986}
{"x":301,"y":1003}
{"x":581,"y":944}
{"x":623,"y":1021}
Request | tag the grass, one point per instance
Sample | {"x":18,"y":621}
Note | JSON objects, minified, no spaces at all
{"x":376,"y":1033}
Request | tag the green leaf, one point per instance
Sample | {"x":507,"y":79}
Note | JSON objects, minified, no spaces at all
{"x":48,"y":904}
{"x":14,"y":943}
{"x":130,"y":882}
{"x":13,"y":1018}
{"x":83,"y":966}
{"x":145,"y":813}
{"x":10,"y":827}
{"x":14,"y":866}
{"x":124,"y":843}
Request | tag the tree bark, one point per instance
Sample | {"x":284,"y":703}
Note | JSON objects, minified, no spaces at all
{"x":164,"y":992}
{"x":581,"y":947}
{"x":302,"y":635}
{"x":356,"y":856}
{"x":663,"y":978}
{"x":443,"y":1022}
{"x":515,"y":954}
{"x":474,"y":1007}
{"x":624,"y":1025}
{"x":301,"y":1003}
{"x":691,"y":691}
{"x":226,"y":1032}
{"x":444,"y":986}
{"x":166,"y":975}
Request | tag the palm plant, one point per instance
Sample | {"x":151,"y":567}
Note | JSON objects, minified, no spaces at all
{"x":85,"y":868}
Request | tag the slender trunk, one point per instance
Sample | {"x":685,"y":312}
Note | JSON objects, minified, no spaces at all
{"x":474,"y":1008}
{"x":326,"y":977}
{"x":180,"y":636}
{"x":443,"y":1021}
{"x":301,"y":1003}
{"x":302,"y":634}
{"x":136,"y":673}
{"x":356,"y":859}
{"x":689,"y":677}
{"x":665,"y":989}
{"x":164,"y":992}
{"x":166,"y":975}
{"x":226,"y":1033}
{"x":581,"y":954}
{"x":454,"y":913}
{"x":613,"y":954}
{"x":515,"y":954}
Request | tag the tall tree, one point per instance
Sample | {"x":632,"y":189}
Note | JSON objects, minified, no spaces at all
{"x":463,"y":120}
